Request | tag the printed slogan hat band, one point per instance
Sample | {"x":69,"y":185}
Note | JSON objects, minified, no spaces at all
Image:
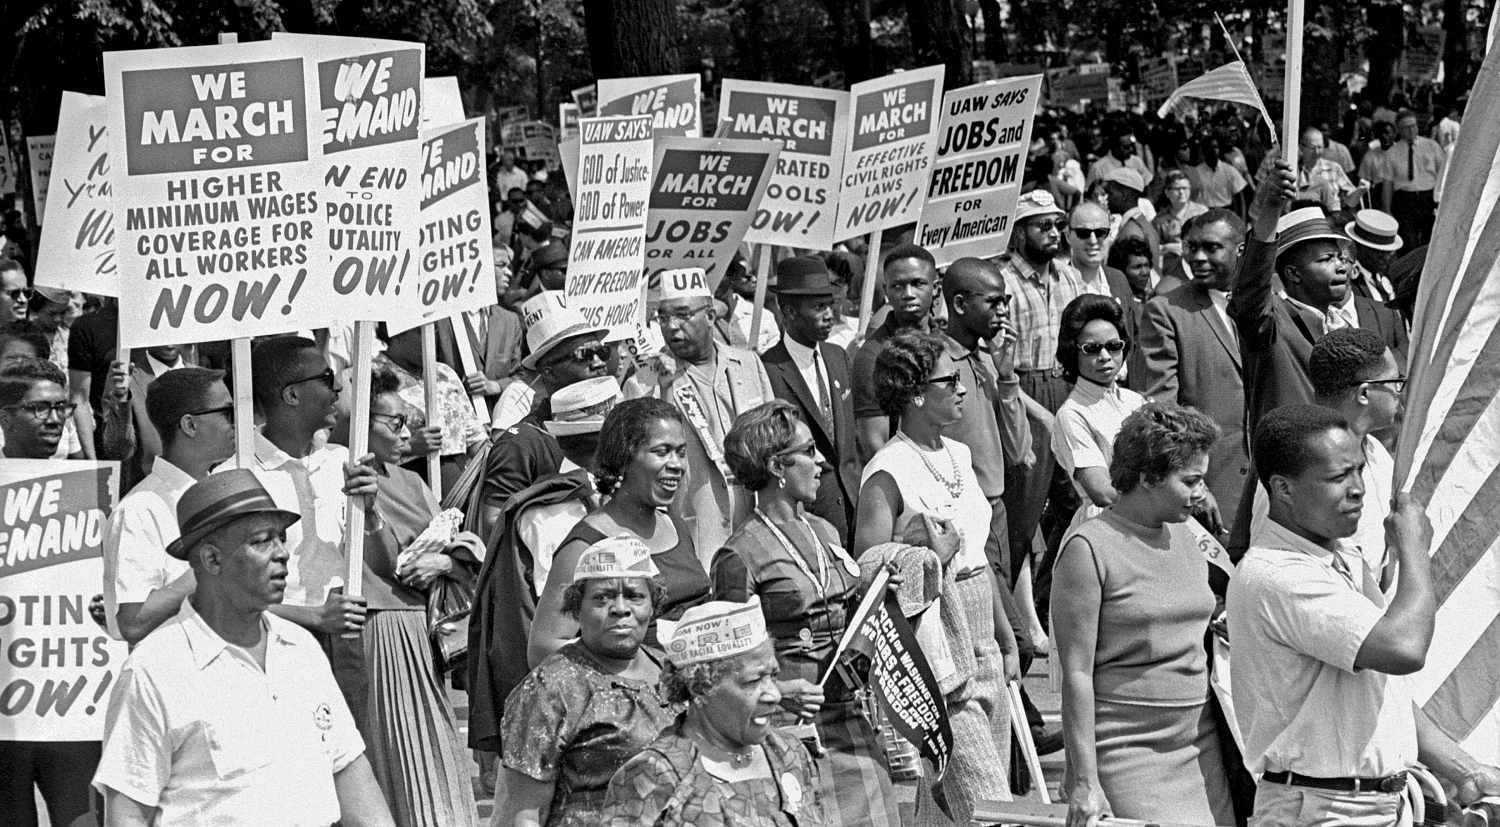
{"x":802,"y":276}
{"x":580,"y":408}
{"x":687,"y":283}
{"x":218,"y":500}
{"x":612,"y":557}
{"x":713,"y":631}
{"x":551,"y":330}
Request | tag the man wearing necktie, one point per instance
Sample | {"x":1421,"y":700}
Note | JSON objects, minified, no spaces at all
{"x":1416,"y":165}
{"x":814,"y":376}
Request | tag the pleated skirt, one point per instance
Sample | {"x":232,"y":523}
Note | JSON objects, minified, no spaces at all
{"x":412,"y":731}
{"x":1161,"y":763}
{"x":852,"y":776}
{"x":979,"y":767}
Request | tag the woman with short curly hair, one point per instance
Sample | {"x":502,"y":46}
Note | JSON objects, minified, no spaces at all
{"x":1130,"y":605}
{"x":641,"y":462}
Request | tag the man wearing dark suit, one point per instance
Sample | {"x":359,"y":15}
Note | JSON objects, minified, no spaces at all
{"x":813,"y":375}
{"x":494,"y":337}
{"x":1191,"y":353}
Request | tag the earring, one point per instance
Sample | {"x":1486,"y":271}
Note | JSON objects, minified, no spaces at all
{"x":919,"y":401}
{"x":781,"y":482}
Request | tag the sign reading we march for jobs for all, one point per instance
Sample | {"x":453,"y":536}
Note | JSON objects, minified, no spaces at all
{"x":801,"y":204}
{"x":976,"y":177}
{"x":889,"y":155}
{"x":219,"y":177}
{"x":606,"y":257}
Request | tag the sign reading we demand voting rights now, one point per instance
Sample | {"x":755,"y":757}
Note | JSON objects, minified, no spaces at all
{"x":217,"y":174}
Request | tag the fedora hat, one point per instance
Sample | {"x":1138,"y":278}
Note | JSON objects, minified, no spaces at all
{"x":549,"y":331}
{"x":802,"y":276}
{"x":218,"y":500}
{"x":1306,"y":224}
{"x":1374,"y":229}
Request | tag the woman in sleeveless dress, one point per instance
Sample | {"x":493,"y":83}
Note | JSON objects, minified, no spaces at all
{"x":920,"y":472}
{"x":641,"y":460}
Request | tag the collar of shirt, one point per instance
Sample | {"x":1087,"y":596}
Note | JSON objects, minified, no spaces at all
{"x":1092,"y":392}
{"x":172,"y":481}
{"x":1344,"y":312}
{"x":1275,"y":535}
{"x":268,"y":455}
{"x":958,"y":353}
{"x":801,"y":354}
{"x":207,"y":645}
{"x":158,"y":367}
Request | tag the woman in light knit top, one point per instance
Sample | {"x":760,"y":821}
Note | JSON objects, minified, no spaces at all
{"x":1130,"y":606}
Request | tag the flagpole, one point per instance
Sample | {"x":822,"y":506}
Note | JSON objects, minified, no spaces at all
{"x":1292,"y":98}
{"x":873,"y":596}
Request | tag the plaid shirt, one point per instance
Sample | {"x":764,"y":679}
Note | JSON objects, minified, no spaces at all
{"x":1036,"y":306}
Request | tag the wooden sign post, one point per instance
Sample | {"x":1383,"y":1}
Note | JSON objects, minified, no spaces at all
{"x":867,"y":295}
{"x":359,"y":443}
{"x":762,"y":284}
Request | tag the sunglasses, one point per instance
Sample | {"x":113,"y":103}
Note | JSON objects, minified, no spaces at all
{"x":40,"y":410}
{"x":807,"y":449}
{"x":227,"y":410}
{"x":396,"y":423}
{"x":1095,"y":348}
{"x":327,"y":377}
{"x":1047,"y":226}
{"x":950,"y":382}
{"x":584,"y":354}
{"x":18,"y":293}
{"x":1084,"y":232}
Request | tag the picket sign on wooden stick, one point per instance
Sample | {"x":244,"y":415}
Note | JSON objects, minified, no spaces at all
{"x":122,"y":355}
{"x":359,"y":442}
{"x":867,"y":298}
{"x":1023,"y":735}
{"x":434,"y":412}
{"x":467,"y":363}
{"x":762,"y":282}
{"x":1290,"y":128}
{"x":244,"y":403}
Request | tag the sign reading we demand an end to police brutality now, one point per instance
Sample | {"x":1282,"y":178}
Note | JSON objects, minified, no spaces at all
{"x":218,"y":193}
{"x":801,"y":204}
{"x":976,"y":178}
{"x":605,"y":260}
{"x":59,"y":665}
{"x":889,"y":156}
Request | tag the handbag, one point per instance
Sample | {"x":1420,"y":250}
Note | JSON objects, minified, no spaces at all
{"x":449,"y":602}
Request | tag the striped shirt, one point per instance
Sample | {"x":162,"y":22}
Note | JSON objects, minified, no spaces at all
{"x":1036,"y":306}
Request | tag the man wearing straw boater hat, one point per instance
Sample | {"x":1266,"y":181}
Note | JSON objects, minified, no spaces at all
{"x":712,"y":384}
{"x":229,"y":714}
{"x":1376,"y":237}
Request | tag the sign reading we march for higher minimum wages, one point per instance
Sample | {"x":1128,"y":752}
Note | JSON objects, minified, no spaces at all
{"x":217,"y":174}
{"x":891,"y":142}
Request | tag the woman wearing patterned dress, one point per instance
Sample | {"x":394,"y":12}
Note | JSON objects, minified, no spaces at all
{"x":808,"y":586}
{"x":921,"y":472}
{"x":722,"y":763}
{"x":588,"y":709}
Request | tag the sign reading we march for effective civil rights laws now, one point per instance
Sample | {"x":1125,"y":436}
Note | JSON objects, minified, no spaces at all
{"x":608,"y":253}
{"x":78,"y":231}
{"x":368,"y":120}
{"x":217,"y":174}
{"x":801,"y":204}
{"x":891,"y":142}
{"x":983,"y":139}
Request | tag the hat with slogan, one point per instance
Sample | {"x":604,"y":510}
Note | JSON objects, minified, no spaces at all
{"x":550,"y":330}
{"x":1126,"y":177}
{"x":1375,"y":229}
{"x":687,"y":283}
{"x":1035,"y":203}
{"x":803,"y":276}
{"x":218,"y":500}
{"x":580,"y":408}
{"x":713,"y":631}
{"x":622,"y":556}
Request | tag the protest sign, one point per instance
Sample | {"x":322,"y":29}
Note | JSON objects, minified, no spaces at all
{"x":78,"y":233}
{"x":673,"y":101}
{"x":1075,"y":86}
{"x":457,"y":269}
{"x":441,"y":102}
{"x":976,"y":177}
{"x":903,"y":682}
{"x":567,"y":121}
{"x":539,"y":143}
{"x":704,"y":194}
{"x":587,"y":99}
{"x":216,"y":156}
{"x":801,"y":204}
{"x":369,"y":119}
{"x":511,"y":114}
{"x":889,"y":154}
{"x":607,"y":257}
{"x":7,"y":165}
{"x":567,"y":150}
{"x":1158,"y":79}
{"x":39,"y":154}
{"x":59,"y":664}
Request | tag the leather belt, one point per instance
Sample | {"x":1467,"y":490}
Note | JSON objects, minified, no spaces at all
{"x":1389,"y":784}
{"x":1055,"y":373}
{"x":965,"y":575}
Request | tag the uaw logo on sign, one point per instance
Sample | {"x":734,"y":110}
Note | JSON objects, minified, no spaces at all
{"x":214,"y":117}
{"x":893,"y":114}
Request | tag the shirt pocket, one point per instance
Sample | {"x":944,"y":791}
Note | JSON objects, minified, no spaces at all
{"x":236,"y":749}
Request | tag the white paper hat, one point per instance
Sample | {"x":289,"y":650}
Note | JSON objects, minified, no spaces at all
{"x":542,"y":304}
{"x":622,"y":556}
{"x":687,"y":283}
{"x":580,"y":408}
{"x":713,"y":631}
{"x":551,"y":329}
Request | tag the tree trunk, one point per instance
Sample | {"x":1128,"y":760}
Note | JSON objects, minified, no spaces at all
{"x":940,"y":34}
{"x":851,"y":22}
{"x":1457,"y":66}
{"x":632,"y":38}
{"x":1385,"y":44}
{"x":995,"y":47}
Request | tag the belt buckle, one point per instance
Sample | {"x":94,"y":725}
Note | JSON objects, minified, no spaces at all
{"x":1393,"y":783}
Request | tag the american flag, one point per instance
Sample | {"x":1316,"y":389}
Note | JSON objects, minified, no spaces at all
{"x":1230,"y":82}
{"x":1448,"y":456}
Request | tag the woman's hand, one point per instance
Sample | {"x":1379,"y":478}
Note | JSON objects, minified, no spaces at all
{"x":420,"y":573}
{"x":935,"y":533}
{"x":1086,"y":804}
{"x":800,"y":697}
{"x":426,"y":439}
{"x":362,"y":480}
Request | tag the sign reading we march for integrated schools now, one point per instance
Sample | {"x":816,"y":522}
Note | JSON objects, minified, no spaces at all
{"x":976,"y":177}
{"x":59,"y":665}
{"x":704,"y":194}
{"x":606,"y":257}
{"x":674,"y":102}
{"x":78,"y":232}
{"x":218,"y":174}
{"x":889,"y":155}
{"x":801,"y":204}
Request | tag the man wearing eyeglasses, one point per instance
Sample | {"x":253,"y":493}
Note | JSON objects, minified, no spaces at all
{"x":34,"y":411}
{"x":15,"y":293}
{"x":712,"y":384}
{"x":193,"y":411}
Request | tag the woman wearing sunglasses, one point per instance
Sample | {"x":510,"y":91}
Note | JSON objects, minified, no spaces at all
{"x":1092,"y":343}
{"x":410,"y":726}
